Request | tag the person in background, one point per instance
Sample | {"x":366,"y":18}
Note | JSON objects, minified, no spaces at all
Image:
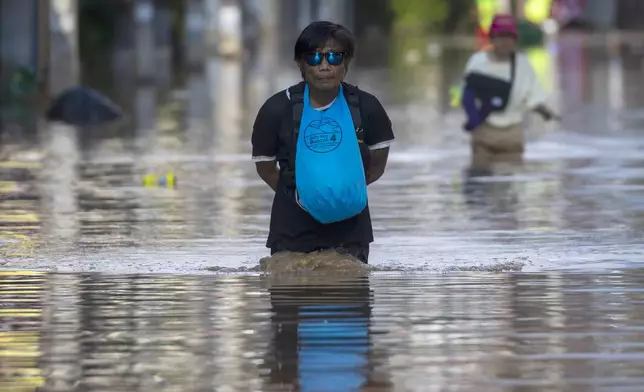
{"x":501,"y":88}
{"x":330,"y":140}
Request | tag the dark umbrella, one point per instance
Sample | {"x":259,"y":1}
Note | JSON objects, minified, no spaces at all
{"x":83,"y":107}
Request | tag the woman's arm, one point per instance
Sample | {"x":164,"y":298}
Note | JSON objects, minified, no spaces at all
{"x":537,"y":96}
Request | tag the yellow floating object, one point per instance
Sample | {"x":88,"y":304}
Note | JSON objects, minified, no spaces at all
{"x":167,"y":180}
{"x":455,"y":93}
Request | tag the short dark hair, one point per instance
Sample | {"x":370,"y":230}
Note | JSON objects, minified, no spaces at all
{"x":317,"y":34}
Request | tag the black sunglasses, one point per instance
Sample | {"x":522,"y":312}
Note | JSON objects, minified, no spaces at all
{"x":333,"y":58}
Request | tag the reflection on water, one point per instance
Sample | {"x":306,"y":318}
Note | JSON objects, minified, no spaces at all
{"x":58,"y":186}
{"x":576,"y":203}
{"x":321,"y":336}
{"x":492,"y":332}
{"x":21,"y":320}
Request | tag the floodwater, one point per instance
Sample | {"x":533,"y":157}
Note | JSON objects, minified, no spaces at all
{"x":526,"y":279}
{"x":455,"y":332}
{"x":75,"y":202}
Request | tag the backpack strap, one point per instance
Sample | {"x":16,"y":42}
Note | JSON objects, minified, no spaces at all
{"x":352,"y":95}
{"x":296,"y":96}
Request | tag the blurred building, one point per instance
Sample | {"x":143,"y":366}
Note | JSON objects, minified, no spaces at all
{"x":18,"y":43}
{"x":599,"y":14}
{"x":20,"y":56}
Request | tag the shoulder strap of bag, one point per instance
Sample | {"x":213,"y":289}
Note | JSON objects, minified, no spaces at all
{"x":296,"y":94}
{"x":513,"y":67}
{"x":352,"y":95}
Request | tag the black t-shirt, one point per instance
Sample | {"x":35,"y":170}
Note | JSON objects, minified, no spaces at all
{"x":291,"y":227}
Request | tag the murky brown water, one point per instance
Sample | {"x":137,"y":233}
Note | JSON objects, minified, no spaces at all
{"x":75,"y":202}
{"x":136,"y":294}
{"x":392,"y":332}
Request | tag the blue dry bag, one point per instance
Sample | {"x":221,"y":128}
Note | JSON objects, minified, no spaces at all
{"x":329,"y":174}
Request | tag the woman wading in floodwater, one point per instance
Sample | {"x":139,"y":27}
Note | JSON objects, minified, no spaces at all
{"x":501,"y":88}
{"x":330,"y":140}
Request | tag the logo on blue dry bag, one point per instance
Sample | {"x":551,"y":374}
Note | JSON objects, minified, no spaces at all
{"x":323,"y":135}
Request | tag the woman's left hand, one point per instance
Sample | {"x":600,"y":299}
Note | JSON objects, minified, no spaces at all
{"x":547,"y":114}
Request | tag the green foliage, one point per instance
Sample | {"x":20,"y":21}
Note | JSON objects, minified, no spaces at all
{"x":530,"y":35}
{"x":421,"y":14}
{"x":413,"y":21}
{"x":96,"y":24}
{"x":19,"y":96}
{"x":23,"y":83}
